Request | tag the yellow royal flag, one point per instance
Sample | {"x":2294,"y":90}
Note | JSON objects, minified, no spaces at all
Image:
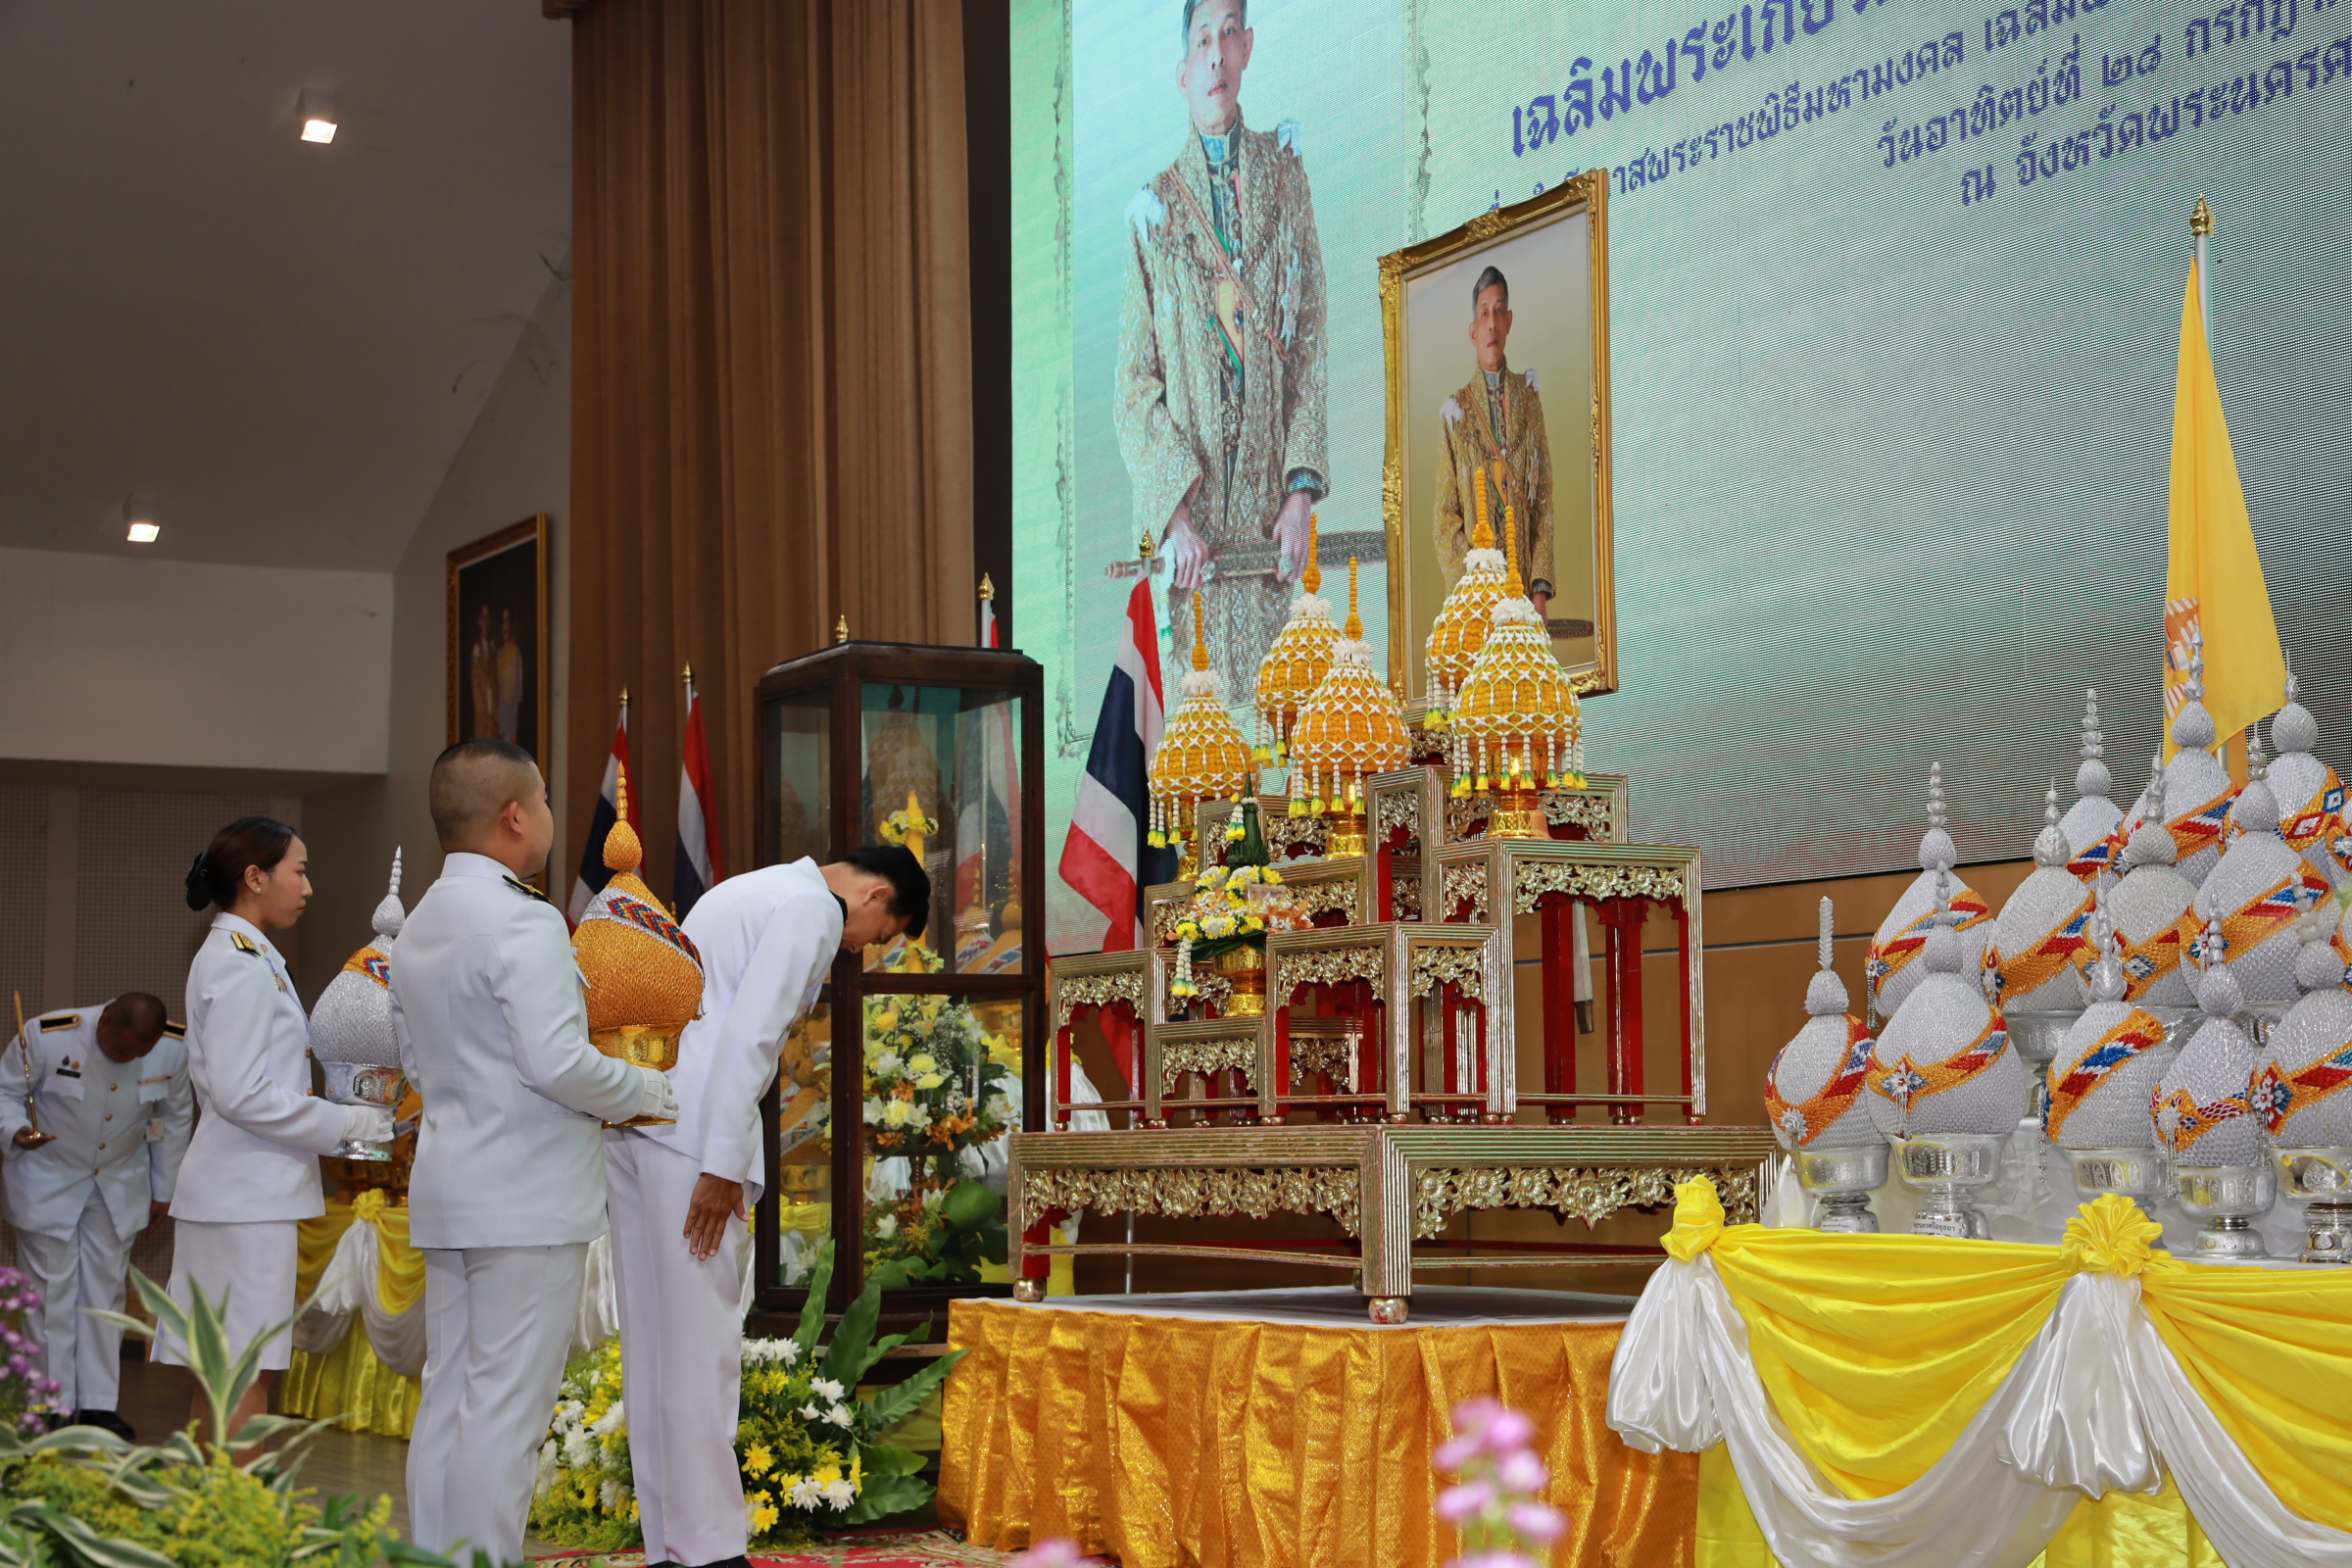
{"x":2214,"y":587}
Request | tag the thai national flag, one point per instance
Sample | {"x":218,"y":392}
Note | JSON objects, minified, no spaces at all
{"x":593,"y":875}
{"x":1106,"y":857}
{"x":700,"y":866}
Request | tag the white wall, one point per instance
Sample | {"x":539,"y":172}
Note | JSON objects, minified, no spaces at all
{"x":109,"y":658}
{"x":517,"y":460}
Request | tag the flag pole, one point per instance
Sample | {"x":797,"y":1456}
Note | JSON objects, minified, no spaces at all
{"x":2200,"y":225}
{"x":988,"y":594}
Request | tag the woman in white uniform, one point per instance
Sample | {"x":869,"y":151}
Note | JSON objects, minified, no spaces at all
{"x":251,"y":1175}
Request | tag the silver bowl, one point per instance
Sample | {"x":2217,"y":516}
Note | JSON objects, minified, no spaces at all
{"x":2037,"y":1038}
{"x":2320,"y":1179}
{"x":2139,"y":1174}
{"x":1843,"y":1180}
{"x":2257,"y":1017}
{"x":1945,"y":1168}
{"x":361,"y":1083}
{"x":2228,"y":1198}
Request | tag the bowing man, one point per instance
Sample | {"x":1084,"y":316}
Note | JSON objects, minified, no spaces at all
{"x":680,"y":1194}
{"x":251,"y":1175}
{"x":508,"y":1189}
{"x":108,"y":1086}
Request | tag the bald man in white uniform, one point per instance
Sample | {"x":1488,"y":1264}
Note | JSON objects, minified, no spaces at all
{"x":509,"y":1185}
{"x":679,"y":1194}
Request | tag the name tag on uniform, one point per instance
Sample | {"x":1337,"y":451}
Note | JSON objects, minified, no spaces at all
{"x":155,"y":1129}
{"x":68,"y":1068}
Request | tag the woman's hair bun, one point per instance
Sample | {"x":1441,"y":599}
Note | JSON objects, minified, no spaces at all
{"x":200,"y":883}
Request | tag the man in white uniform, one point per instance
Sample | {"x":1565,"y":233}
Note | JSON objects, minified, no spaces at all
{"x":108,"y":1086}
{"x":509,"y":1185}
{"x":679,"y":1194}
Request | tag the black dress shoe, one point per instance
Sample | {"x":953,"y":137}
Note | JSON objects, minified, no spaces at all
{"x":106,"y":1421}
{"x":729,"y":1562}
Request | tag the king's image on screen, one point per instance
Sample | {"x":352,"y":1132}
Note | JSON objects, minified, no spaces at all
{"x":1221,"y":379}
{"x":1491,"y":431}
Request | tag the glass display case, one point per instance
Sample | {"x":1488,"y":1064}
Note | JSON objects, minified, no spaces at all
{"x":885,"y":1127}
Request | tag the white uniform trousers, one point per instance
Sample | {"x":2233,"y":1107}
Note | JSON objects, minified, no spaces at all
{"x":681,"y":1355}
{"x":497,"y":1324}
{"x":84,"y":1353}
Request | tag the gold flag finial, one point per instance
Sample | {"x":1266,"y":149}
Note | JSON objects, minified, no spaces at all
{"x":2200,"y":221}
{"x":1142,"y":547}
{"x":1312,"y":580}
{"x":841,"y":630}
{"x":690,"y":680}
{"x":1483,"y":537}
{"x":1355,"y":622}
{"x":988,"y":590}
{"x":1200,"y":636}
{"x":624,"y":699}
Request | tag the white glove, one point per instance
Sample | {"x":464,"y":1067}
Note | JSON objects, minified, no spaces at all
{"x":365,"y":1124}
{"x":654,"y":1099}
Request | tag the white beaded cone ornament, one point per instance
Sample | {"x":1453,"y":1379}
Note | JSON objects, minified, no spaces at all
{"x":1942,"y":1064}
{"x":1815,"y":1091}
{"x":2092,"y":825}
{"x":2259,"y":890}
{"x":1516,"y":721}
{"x":1890,"y":968}
{"x":2043,"y":934}
{"x":1349,"y":729}
{"x":1463,"y":619}
{"x":2302,"y":1087}
{"x":2108,"y":1065}
{"x":1298,"y":659}
{"x":2201,"y":1108}
{"x":2155,"y":909}
{"x":2197,"y":791}
{"x":2309,"y":796}
{"x":352,"y":1020}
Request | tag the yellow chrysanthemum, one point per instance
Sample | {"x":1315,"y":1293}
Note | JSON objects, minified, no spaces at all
{"x":757,"y":1459}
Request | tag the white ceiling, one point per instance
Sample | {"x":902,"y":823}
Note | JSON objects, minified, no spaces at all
{"x":275,"y":347}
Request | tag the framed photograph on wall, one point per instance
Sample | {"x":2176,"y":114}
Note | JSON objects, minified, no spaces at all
{"x":1498,"y":340}
{"x":498,"y":638}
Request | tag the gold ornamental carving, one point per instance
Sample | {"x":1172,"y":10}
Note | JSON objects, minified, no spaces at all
{"x":1323,"y":898}
{"x":1588,"y":812}
{"x":1531,"y":880}
{"x":1097,"y":991}
{"x":1397,"y":810}
{"x":1207,"y":1058}
{"x":1465,"y":969}
{"x":1404,"y":893}
{"x":1328,"y":966}
{"x":1336,"y":1055}
{"x":1294,"y":837}
{"x":1460,"y":883}
{"x":1215,"y":992}
{"x":1166,"y":915}
{"x":1588,"y":1192}
{"x":1191,"y":1192}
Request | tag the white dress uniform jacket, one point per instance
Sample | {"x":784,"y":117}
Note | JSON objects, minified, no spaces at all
{"x":255,"y":1152}
{"x":122,"y":1127}
{"x":494,"y":1034}
{"x":768,"y":938}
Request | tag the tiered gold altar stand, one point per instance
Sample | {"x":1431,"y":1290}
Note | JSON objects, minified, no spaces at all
{"x":1379,"y":1085}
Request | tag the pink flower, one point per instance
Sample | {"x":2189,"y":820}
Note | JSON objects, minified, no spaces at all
{"x":1054,"y":1554}
{"x":1494,"y":1559}
{"x":1456,"y":1452}
{"x":1457,"y":1503}
{"x":1534,"y":1522}
{"x":1472,"y":1415}
{"x":1508,"y":1429}
{"x":1521,"y":1472}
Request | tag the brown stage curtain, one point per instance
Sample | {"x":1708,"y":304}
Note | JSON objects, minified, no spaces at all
{"x":772,"y":417}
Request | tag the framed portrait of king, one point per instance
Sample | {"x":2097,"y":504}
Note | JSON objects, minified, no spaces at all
{"x":1498,"y":339}
{"x":498,"y":638}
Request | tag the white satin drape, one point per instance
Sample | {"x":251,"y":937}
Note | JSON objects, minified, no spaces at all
{"x":349,"y":1286}
{"x":2096,"y":1404}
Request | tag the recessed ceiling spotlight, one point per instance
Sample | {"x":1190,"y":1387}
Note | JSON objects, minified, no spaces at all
{"x":316,"y":110}
{"x":143,"y":533}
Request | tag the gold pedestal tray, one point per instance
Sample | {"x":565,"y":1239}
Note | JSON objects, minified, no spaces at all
{"x":640,"y":1047}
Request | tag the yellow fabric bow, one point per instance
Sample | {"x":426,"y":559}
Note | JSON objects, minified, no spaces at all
{"x":368,"y":1206}
{"x":1698,"y":1219}
{"x":2112,"y":1236}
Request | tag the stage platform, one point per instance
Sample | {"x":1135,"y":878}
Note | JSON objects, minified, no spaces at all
{"x":1279,"y":1427}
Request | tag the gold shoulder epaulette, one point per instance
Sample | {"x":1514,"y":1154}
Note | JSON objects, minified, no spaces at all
{"x":526,"y":888}
{"x":177,"y":1031}
{"x":63,"y":1020}
{"x":245,"y":944}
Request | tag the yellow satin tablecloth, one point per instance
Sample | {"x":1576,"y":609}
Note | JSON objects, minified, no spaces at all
{"x":1167,"y":1441}
{"x":349,"y":1382}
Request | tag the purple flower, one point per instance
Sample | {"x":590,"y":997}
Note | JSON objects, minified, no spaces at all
{"x":1507,"y":1431}
{"x":1521,"y":1472}
{"x":1533,"y":1521}
{"x":1457,"y":1503}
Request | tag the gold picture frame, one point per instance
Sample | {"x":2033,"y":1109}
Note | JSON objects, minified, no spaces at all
{"x":500,"y":688}
{"x":1408,"y":283}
